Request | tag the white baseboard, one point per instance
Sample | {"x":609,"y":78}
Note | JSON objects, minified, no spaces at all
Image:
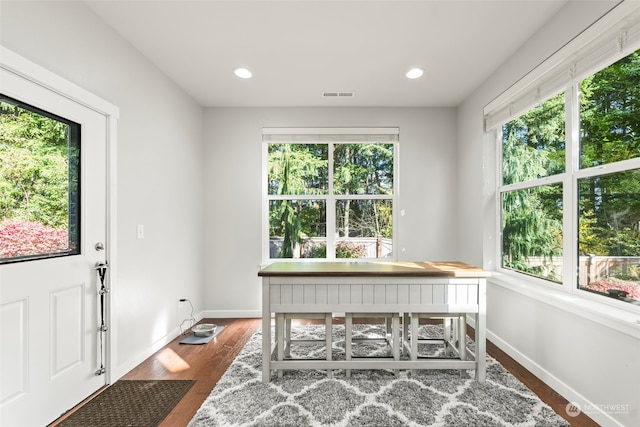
{"x":232,"y":314}
{"x":554,"y":382}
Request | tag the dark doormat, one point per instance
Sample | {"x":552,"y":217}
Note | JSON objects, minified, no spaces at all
{"x":130,"y":403}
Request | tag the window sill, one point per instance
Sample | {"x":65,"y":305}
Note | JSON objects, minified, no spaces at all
{"x":618,"y":319}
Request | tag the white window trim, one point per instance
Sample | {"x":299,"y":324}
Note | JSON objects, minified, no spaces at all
{"x":325,"y":135}
{"x":332,"y":131}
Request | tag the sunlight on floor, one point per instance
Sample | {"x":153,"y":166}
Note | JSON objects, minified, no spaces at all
{"x":171,"y":361}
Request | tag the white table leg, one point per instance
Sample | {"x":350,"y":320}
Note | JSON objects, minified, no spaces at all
{"x":266,"y":332}
{"x":481,"y":333}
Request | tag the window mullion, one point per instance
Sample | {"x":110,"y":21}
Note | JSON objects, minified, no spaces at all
{"x":570,"y":194}
{"x":331,"y":209}
{"x":533,"y":183}
{"x":619,"y":166}
{"x":395,"y":200}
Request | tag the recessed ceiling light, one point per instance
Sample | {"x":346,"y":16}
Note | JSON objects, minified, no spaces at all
{"x":414,"y":73}
{"x":243,"y":73}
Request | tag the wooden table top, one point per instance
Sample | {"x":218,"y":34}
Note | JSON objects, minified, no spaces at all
{"x":373,"y":269}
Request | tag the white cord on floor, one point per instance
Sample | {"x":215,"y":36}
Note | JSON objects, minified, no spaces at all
{"x":191,"y":320}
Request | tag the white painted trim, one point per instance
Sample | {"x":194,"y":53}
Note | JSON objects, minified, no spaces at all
{"x":112,"y":244}
{"x":331,"y":131}
{"x":21,"y":66}
{"x":231,"y":314}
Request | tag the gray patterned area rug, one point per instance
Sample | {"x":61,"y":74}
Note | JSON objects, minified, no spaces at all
{"x":369,"y":397}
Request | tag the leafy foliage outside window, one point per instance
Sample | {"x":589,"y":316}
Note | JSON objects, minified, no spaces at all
{"x":297,"y":228}
{"x":534,"y":143}
{"x":359,"y":197}
{"x":363,"y":169}
{"x":532,"y":231}
{"x":610,"y":113}
{"x":298,"y":169}
{"x":39,"y":183}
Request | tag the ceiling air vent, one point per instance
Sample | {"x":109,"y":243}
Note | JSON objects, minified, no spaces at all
{"x":338,"y":94}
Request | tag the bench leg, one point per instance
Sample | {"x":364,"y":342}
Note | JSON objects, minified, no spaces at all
{"x":395,"y":339}
{"x":287,"y":338}
{"x":462,"y":339}
{"x":462,"y":336}
{"x":328,"y":339}
{"x":280,"y":334}
{"x":414,"y":342}
{"x":348,"y":332}
{"x":405,"y":332}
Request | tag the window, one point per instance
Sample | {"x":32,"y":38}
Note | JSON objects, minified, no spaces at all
{"x":39,"y":183}
{"x":330,"y":195}
{"x":608,"y":185}
{"x":579,"y":193}
{"x":533,"y":147}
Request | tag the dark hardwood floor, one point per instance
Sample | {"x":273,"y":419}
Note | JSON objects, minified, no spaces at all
{"x":207,"y":363}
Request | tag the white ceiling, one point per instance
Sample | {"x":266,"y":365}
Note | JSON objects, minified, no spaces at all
{"x":299,"y":49}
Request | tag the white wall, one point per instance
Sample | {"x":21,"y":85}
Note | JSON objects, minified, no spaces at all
{"x":159,"y":167}
{"x":233,"y":155}
{"x":186,"y":207}
{"x":588,"y":358}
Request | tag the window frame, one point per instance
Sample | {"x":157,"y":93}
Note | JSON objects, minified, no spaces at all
{"x":74,"y":198}
{"x":569,"y":181}
{"x":560,"y":178}
{"x":328,"y":136}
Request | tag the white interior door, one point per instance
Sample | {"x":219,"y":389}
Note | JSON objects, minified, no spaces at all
{"x":50,"y":344}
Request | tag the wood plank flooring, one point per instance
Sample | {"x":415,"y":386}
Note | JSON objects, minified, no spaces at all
{"x":207,"y":363}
